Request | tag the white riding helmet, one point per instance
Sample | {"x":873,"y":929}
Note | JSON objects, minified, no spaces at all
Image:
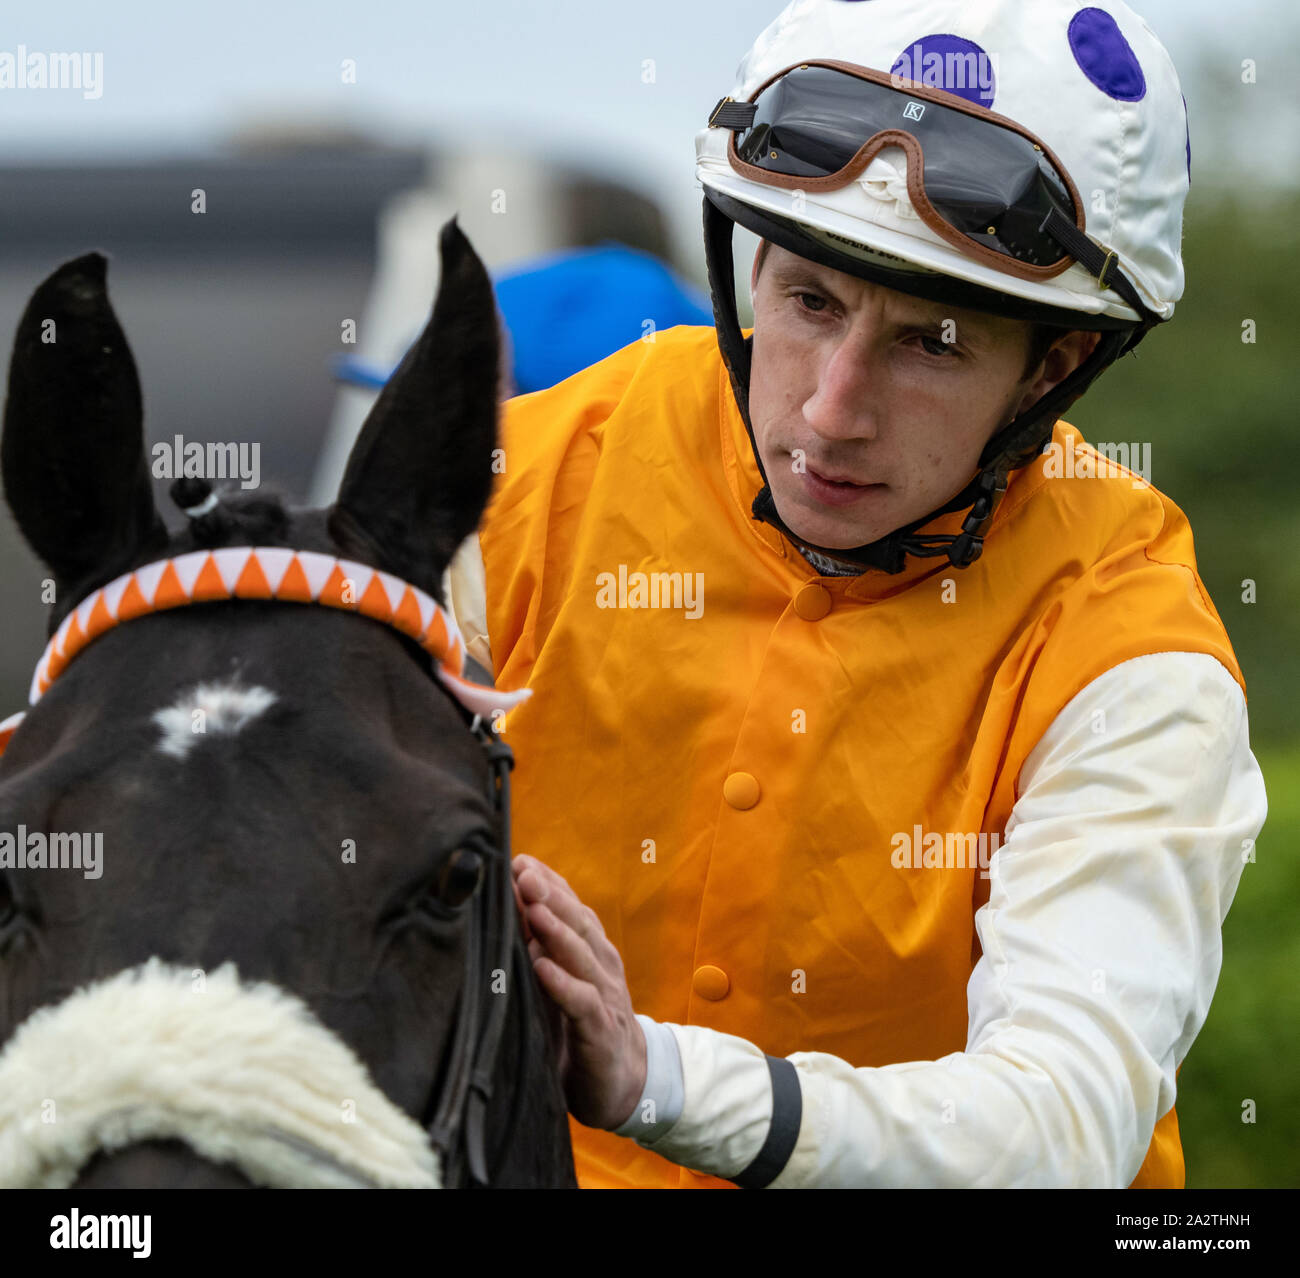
{"x":1090,"y":81}
{"x":1029,"y":158}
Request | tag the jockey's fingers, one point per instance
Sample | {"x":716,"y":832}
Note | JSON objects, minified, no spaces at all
{"x":568,"y":947}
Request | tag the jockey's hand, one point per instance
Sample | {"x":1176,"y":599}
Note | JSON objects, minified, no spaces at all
{"x":603,"y":1052}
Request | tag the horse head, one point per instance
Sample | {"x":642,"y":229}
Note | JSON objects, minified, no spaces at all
{"x":261,"y":966}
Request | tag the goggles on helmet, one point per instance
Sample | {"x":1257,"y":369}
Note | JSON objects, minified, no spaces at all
{"x":979,"y":181}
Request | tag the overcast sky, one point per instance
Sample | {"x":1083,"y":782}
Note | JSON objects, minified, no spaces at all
{"x":565,"y":76}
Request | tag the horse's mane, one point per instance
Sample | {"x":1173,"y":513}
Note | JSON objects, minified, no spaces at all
{"x":262,"y":518}
{"x":239,"y":519}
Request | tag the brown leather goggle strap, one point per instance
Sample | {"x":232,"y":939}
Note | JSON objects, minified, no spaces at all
{"x":915,"y":165}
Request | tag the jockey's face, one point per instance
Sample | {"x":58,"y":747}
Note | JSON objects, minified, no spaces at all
{"x":854,"y":381}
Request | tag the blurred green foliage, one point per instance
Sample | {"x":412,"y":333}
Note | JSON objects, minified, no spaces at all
{"x":1221,"y":417}
{"x":1249,"y":1048}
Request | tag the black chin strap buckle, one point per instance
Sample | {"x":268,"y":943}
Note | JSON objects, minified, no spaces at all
{"x":969,"y":546}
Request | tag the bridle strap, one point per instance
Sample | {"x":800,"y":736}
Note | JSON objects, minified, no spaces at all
{"x":276,"y":574}
{"x":458,"y":1130}
{"x":502,"y":760}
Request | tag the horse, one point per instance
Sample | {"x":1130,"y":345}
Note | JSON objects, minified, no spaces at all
{"x":257,"y":922}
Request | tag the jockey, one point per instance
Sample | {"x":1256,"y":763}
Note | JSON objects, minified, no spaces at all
{"x":888,"y":779}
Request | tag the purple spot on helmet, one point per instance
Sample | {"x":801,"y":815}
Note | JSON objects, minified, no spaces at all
{"x":1188,"y":118}
{"x":949,"y":62}
{"x":1105,"y":57}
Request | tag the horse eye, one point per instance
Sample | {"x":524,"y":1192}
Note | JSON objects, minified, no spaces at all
{"x":459,"y":878}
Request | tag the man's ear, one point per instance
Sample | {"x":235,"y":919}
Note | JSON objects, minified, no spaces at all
{"x":1063,"y":357}
{"x":759,"y":254}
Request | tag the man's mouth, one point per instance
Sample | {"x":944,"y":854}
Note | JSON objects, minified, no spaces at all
{"x":832,"y":490}
{"x":848,"y":481}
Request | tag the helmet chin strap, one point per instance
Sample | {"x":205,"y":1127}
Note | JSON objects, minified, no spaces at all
{"x":1015,"y":445}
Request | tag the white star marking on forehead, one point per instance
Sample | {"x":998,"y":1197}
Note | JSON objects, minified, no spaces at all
{"x":210,"y":709}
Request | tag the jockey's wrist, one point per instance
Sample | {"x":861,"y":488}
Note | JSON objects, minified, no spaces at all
{"x":660,"y":1104}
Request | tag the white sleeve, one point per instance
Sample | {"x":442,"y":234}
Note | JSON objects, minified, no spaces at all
{"x":1101,"y":951}
{"x":465,"y":589}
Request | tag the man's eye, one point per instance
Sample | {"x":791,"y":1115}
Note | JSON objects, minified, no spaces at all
{"x":811,"y":301}
{"x":933,"y":346}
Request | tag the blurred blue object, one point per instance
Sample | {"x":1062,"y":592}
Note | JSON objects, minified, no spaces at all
{"x":568,"y":310}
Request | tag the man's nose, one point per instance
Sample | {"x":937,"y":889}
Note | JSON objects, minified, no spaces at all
{"x":842,"y":406}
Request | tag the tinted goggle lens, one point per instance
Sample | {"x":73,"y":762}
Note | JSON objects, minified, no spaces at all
{"x":986,"y":181}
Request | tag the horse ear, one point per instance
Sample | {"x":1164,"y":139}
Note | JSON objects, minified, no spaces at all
{"x":420,"y":472}
{"x":72,"y":454}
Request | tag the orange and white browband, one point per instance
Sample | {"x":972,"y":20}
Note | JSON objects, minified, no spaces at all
{"x":269,"y":573}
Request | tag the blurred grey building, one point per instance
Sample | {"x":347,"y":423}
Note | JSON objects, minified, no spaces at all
{"x":233,"y":314}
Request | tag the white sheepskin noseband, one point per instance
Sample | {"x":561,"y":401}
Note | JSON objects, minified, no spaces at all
{"x":242,"y":1073}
